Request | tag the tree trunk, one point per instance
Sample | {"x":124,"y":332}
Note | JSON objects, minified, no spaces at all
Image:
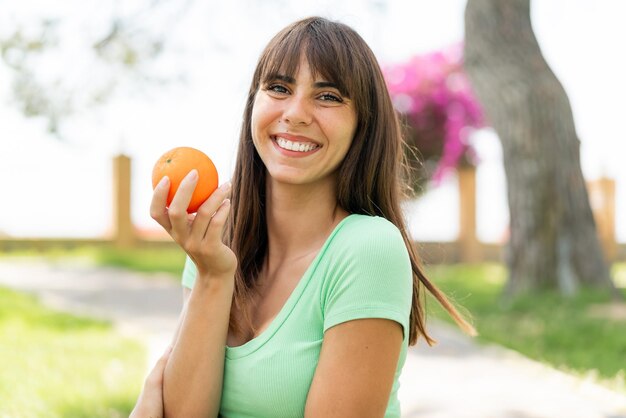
{"x":553,"y":241}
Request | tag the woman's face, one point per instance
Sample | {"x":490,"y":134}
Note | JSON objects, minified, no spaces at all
{"x":302,"y":128}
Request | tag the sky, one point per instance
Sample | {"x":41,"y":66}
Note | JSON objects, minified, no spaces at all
{"x":62,"y":187}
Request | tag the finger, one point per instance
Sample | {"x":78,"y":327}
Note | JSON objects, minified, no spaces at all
{"x":208,"y":209}
{"x":166,"y":355}
{"x":214,"y":231}
{"x":156,"y":373}
{"x":158,"y":209}
{"x":178,"y":208}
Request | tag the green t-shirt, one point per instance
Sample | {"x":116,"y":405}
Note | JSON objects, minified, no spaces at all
{"x":362,"y":271}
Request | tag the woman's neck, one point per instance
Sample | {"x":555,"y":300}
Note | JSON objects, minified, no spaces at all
{"x":299,"y":218}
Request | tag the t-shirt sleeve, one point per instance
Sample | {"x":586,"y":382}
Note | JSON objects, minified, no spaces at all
{"x":370,"y":276}
{"x":189,"y":273}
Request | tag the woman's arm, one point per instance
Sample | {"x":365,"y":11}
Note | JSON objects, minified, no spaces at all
{"x":192,"y":381}
{"x":150,"y":402}
{"x":356,"y":369}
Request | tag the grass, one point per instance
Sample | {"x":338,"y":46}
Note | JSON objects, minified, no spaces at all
{"x":549,"y":328}
{"x":150,"y":260}
{"x":146,"y":260}
{"x":54,"y":364}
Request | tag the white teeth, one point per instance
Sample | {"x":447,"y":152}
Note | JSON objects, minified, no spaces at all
{"x":295,"y":146}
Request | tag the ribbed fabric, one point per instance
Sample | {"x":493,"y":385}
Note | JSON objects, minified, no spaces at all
{"x":362,"y":271}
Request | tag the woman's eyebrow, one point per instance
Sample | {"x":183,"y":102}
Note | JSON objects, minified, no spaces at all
{"x":280,"y":77}
{"x":290,"y":80}
{"x":324,"y":84}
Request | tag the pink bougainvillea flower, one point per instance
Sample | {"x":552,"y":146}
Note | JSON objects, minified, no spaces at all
{"x":434,"y":95}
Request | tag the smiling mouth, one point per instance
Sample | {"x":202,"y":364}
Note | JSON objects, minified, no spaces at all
{"x":295,"y":146}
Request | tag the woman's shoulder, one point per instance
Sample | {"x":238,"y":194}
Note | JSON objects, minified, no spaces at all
{"x":367,"y":227}
{"x":365,"y":234}
{"x":369,"y":257}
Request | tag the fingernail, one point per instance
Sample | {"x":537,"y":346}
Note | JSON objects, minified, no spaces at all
{"x":226,"y":202}
{"x":164,"y":181}
{"x":193,"y":175}
{"x":226,"y":186}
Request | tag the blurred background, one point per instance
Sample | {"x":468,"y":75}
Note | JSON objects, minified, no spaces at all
{"x":177,"y":74}
{"x":93,"y":92}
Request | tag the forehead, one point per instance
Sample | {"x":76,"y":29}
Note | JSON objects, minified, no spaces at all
{"x":289,"y":65}
{"x":305,"y":67}
{"x":302,"y":73}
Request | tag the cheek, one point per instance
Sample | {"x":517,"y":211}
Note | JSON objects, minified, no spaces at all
{"x":258,"y":123}
{"x":263,"y":113}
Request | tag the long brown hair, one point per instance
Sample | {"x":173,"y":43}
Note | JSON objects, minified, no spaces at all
{"x":372,"y":180}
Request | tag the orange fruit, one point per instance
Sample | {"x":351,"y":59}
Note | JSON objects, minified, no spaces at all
{"x":176,"y":164}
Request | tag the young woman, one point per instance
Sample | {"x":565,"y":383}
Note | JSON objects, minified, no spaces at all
{"x":302,"y":288}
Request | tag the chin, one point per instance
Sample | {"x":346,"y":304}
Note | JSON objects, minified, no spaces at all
{"x":288,"y":176}
{"x":288,"y":179}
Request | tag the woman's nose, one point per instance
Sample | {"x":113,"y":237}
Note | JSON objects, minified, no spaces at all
{"x":297,"y":111}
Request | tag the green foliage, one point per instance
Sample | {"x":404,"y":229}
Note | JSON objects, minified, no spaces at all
{"x":112,"y":54}
{"x":560,"y":331}
{"x":57,"y":365}
{"x":150,"y":260}
{"x":168,"y":260}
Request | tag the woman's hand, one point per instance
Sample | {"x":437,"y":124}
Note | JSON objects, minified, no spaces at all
{"x":150,"y":402}
{"x":200,"y":235}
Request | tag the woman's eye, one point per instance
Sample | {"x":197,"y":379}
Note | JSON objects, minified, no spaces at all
{"x":277,"y":88}
{"x":331,"y":97}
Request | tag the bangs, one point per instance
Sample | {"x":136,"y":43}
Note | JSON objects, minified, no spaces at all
{"x":326,"y":52}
